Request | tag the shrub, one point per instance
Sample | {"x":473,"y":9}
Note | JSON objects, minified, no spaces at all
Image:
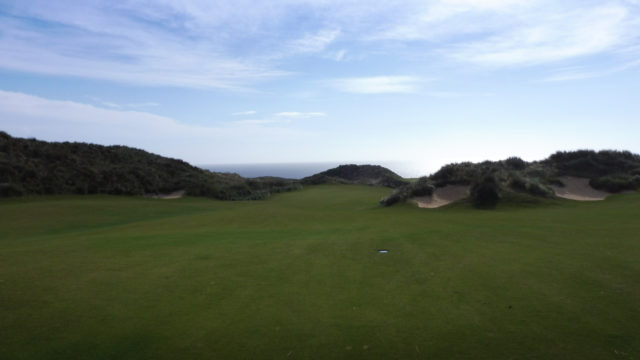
{"x":534,"y":187}
{"x":518,"y":183}
{"x":591,"y":164}
{"x":422,"y":187}
{"x":515,"y":163}
{"x":555,"y":181}
{"x":530,"y":186}
{"x":486,"y":192}
{"x":391,"y":199}
{"x":456,"y":174}
{"x":8,"y":189}
{"x":616,"y":183}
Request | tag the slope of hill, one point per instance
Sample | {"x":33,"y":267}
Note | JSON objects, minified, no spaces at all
{"x":357,"y":174}
{"x":32,"y":167}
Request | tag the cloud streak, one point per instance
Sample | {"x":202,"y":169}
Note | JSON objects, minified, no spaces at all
{"x":501,"y":33}
{"x":96,"y":40}
{"x":26,"y":115}
{"x":299,"y":115}
{"x":315,"y":43}
{"x":238,"y":45}
{"x":378,"y":85}
{"x":244,"y":113}
{"x":558,"y":37}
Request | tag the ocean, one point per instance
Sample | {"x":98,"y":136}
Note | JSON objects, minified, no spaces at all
{"x":295,"y":170}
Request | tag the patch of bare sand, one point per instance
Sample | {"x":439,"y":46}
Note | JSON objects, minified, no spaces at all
{"x":576,"y":188}
{"x":442,"y":196}
{"x":174,"y":195}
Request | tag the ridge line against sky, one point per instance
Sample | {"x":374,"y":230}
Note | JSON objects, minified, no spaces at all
{"x":322,"y":80}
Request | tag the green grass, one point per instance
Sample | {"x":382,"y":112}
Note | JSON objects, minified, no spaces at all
{"x":298,"y":277}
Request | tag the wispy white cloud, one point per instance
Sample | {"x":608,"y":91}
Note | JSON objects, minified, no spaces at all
{"x":315,"y":42}
{"x":143,"y":105}
{"x":261,"y":121}
{"x":26,"y":115}
{"x":515,"y":33}
{"x":103,"y":41}
{"x":114,"y":105}
{"x":236,"y":44}
{"x":105,"y":103}
{"x":285,"y":117}
{"x":338,"y":55}
{"x":554,"y":38}
{"x":244,"y":113}
{"x":580,"y":73}
{"x":443,"y":19}
{"x":378,"y":84}
{"x":569,"y":75}
{"x":299,"y":115}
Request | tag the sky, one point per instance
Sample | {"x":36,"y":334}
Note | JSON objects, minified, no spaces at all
{"x":420,"y":83}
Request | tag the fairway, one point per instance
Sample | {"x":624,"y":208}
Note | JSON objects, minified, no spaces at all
{"x":299,"y":276}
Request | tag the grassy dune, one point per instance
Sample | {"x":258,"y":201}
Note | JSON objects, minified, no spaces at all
{"x":298,"y":277}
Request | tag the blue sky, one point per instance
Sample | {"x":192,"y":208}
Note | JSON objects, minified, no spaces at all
{"x":420,"y":82}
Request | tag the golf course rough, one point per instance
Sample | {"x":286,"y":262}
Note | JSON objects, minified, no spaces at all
{"x":299,"y":276}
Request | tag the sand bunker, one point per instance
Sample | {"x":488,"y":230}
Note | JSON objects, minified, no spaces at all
{"x":578,"y":189}
{"x":442,"y":196}
{"x":174,"y":195}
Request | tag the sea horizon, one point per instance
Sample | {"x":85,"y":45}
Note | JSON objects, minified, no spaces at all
{"x":299,"y":170}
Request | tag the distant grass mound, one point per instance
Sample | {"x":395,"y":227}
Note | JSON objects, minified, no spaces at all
{"x":33,"y":167}
{"x":490,"y":181}
{"x":357,"y":174}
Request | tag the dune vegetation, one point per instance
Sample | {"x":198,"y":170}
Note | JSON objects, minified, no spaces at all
{"x":300,"y":276}
{"x":357,"y":175}
{"x":34,"y":167}
{"x":492,"y":181}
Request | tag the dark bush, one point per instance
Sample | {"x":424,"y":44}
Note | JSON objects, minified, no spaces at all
{"x":519,"y":184}
{"x":7,"y":189}
{"x":486,"y":192}
{"x":530,"y":185}
{"x":616,"y":182}
{"x":456,"y":174}
{"x":591,"y":164}
{"x":515,"y":163}
{"x":534,"y":187}
{"x":391,"y":199}
{"x":422,"y":187}
{"x":555,"y":181}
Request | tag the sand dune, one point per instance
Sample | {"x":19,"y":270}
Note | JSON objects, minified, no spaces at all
{"x":442,"y":196}
{"x":576,"y":188}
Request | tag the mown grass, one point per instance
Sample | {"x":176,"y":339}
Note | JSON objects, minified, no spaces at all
{"x":298,"y":277}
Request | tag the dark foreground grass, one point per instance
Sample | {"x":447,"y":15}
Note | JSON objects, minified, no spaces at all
{"x":299,"y":277}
